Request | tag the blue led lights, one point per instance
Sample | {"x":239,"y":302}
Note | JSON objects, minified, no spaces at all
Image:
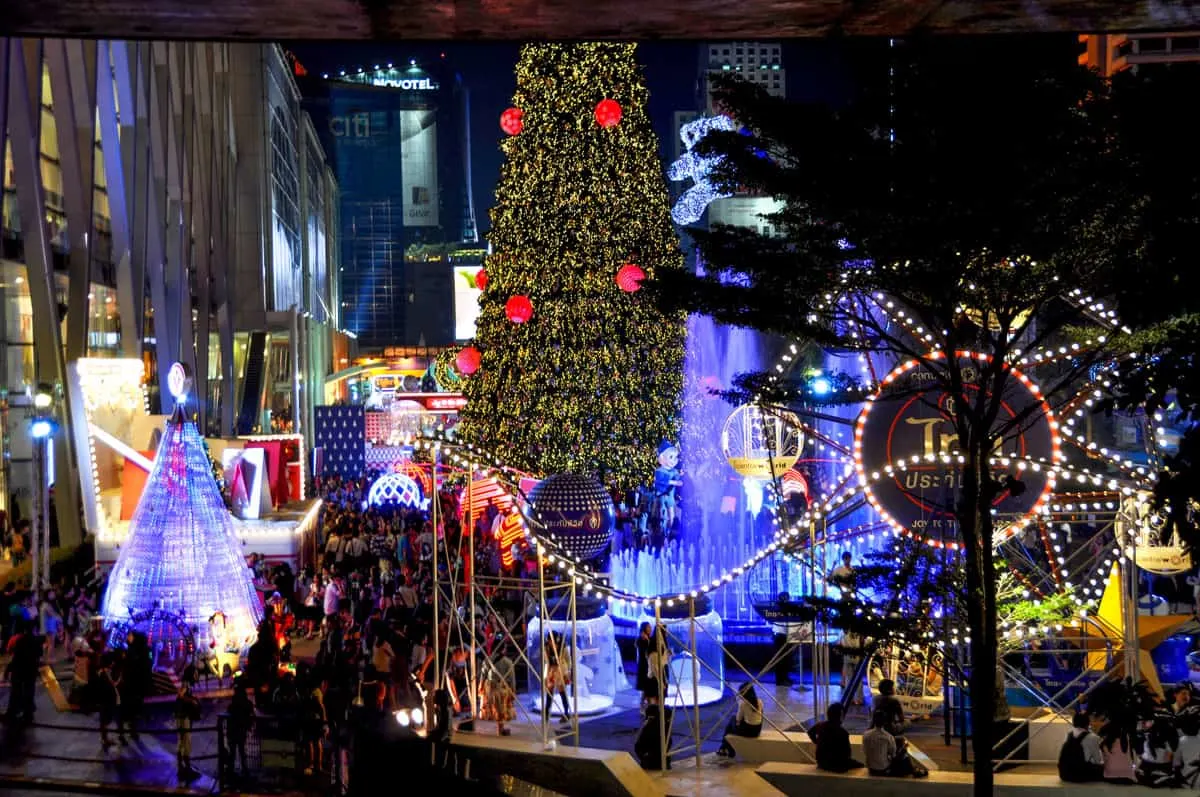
{"x":182,"y":554}
{"x":696,"y":167}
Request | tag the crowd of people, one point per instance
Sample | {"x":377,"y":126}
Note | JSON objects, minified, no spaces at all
{"x":1158,"y":750}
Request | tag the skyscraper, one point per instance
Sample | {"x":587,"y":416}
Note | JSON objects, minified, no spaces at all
{"x":1110,"y":53}
{"x":399,"y":139}
{"x":760,"y":63}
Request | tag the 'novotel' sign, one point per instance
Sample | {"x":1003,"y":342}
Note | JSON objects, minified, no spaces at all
{"x":408,"y":84}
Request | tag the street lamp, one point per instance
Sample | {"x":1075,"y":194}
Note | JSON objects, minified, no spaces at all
{"x":41,"y":428}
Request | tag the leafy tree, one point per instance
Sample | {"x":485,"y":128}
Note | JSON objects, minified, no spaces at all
{"x":976,"y":193}
{"x":591,"y":382}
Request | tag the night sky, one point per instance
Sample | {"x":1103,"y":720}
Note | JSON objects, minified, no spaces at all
{"x":815,"y":70}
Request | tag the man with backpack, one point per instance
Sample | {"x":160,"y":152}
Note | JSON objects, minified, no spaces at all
{"x":1080,"y":759}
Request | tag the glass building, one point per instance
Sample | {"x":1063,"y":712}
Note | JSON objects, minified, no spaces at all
{"x":399,"y":141}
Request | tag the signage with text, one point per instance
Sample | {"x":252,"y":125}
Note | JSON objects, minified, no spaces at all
{"x":911,"y":417}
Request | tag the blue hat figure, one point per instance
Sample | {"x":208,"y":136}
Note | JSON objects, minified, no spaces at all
{"x":667,"y":481}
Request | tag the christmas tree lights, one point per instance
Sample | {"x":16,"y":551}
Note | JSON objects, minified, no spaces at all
{"x":590,"y":381}
{"x":182,"y":555}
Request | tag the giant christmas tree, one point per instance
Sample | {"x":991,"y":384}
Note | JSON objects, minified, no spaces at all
{"x":578,"y":371}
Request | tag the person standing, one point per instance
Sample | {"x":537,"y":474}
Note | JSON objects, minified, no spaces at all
{"x":22,"y":672}
{"x":642,"y":647}
{"x":187,"y":711}
{"x":241,"y":720}
{"x":107,"y":697}
{"x":843,"y":576}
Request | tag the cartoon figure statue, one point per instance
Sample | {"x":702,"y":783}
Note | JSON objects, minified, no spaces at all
{"x":667,"y":481}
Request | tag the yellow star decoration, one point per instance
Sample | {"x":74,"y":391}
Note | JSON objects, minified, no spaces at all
{"x":1151,"y":632}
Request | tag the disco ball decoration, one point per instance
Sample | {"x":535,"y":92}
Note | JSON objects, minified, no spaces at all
{"x":511,"y":121}
{"x":608,"y":113}
{"x":518,"y":309}
{"x":468,"y":360}
{"x":629,"y":277}
{"x":572,"y":511}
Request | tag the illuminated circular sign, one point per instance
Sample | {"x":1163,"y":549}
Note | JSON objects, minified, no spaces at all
{"x":909,"y":420}
{"x":179,"y":382}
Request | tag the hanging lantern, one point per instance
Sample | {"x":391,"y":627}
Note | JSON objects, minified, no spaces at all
{"x":511,"y":121}
{"x":629,"y":277}
{"x":468,"y":360}
{"x":481,"y":279}
{"x":608,"y":113}
{"x":519,"y":309}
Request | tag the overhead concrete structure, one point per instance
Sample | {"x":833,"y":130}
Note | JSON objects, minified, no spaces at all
{"x":557,"y":19}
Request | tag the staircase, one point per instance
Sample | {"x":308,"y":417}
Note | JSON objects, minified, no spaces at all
{"x":253,"y":376}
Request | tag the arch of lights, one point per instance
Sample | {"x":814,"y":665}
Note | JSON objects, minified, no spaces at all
{"x":1073,"y":491}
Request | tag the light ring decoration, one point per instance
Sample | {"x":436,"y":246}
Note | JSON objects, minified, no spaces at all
{"x":396,"y":488}
{"x":868,"y":444}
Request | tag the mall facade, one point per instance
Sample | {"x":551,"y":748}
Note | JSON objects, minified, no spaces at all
{"x":182,"y":211}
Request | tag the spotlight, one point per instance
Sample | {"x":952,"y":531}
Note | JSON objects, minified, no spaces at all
{"x":403,"y":718}
{"x":418,"y":717}
{"x":43,"y":398}
{"x":821,"y":386}
{"x":41,"y":429}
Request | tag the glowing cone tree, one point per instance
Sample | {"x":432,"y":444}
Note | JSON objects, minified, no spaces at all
{"x":577,"y":374}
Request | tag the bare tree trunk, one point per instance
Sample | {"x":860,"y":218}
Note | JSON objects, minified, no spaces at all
{"x":975,"y":524}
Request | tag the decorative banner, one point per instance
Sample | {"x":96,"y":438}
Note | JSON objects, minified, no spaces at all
{"x":1154,"y":552}
{"x":761,"y":445}
{"x":1163,"y":560}
{"x":907,"y":419}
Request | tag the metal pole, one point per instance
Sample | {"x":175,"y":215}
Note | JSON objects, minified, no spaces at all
{"x":39,"y":514}
{"x":543,"y":628}
{"x":437,"y":645}
{"x":695,"y":676}
{"x":660,"y":677}
{"x":574,"y":649}
{"x":471,"y":586}
{"x":44,"y":490}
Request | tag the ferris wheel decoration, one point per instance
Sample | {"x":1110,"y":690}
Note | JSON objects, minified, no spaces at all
{"x":762,"y":444}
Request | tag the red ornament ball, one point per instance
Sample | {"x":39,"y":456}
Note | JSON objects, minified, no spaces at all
{"x":468,"y":360}
{"x":629,"y":277}
{"x":511,"y":121}
{"x":481,"y":279}
{"x":608,"y":113}
{"x":519,"y":309}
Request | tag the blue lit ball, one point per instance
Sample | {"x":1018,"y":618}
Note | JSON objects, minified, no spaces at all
{"x":821,"y":386}
{"x":573,"y":511}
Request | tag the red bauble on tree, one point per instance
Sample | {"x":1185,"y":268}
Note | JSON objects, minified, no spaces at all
{"x":608,"y":113}
{"x":518,"y":309}
{"x":468,"y":360}
{"x":481,"y":279}
{"x":629,"y":277}
{"x":511,"y":121}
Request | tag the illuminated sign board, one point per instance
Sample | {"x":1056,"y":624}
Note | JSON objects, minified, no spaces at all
{"x":910,"y":420}
{"x":408,"y":84}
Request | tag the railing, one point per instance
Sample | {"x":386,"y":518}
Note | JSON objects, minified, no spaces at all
{"x":274,"y":756}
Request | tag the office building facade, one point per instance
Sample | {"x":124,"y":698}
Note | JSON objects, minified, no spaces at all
{"x":1110,"y":53}
{"x":398,"y":136}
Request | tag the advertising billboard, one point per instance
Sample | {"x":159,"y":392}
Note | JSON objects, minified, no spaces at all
{"x":418,"y":167}
{"x":466,"y":301}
